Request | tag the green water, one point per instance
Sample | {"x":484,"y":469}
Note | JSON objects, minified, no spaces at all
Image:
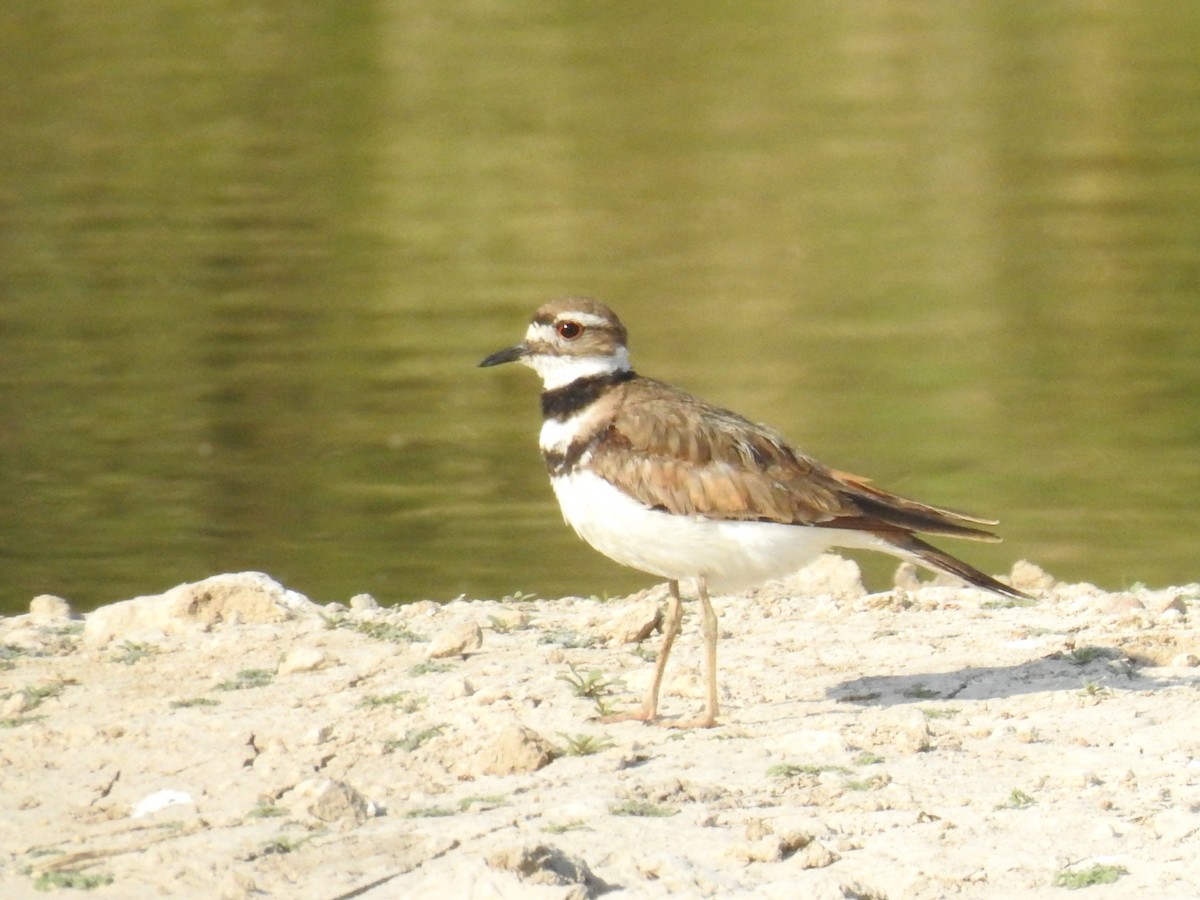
{"x":251,"y":253}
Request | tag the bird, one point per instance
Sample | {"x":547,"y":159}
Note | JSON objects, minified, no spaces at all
{"x":661,"y":481}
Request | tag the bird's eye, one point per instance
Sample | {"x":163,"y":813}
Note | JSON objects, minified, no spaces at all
{"x":568,"y":331}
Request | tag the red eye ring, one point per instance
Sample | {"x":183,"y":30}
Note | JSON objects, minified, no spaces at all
{"x":568,"y":330}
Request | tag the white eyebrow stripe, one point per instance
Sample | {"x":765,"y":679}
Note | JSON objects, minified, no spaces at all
{"x":586,"y":319}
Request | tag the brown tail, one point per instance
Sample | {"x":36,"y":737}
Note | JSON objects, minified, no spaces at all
{"x":911,"y":515}
{"x":928,"y":555}
{"x":893,"y":519}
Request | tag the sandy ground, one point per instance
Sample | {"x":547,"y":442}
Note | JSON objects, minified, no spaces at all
{"x":232,"y":739}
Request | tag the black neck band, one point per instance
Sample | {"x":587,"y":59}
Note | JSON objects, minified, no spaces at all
{"x":562,"y":403}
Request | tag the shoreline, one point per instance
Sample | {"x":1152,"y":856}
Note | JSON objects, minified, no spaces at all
{"x":231,"y":738}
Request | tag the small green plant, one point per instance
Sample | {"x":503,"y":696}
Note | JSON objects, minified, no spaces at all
{"x":568,"y":639}
{"x":194,"y":701}
{"x":430,"y":812}
{"x":919,"y":692}
{"x":645,"y":652}
{"x":867,"y":697}
{"x":1081,"y":656}
{"x":413,"y":739}
{"x":383,"y":631}
{"x":584,"y":744}
{"x":1008,"y":603}
{"x":266,"y":810}
{"x":945,"y":712}
{"x":130,"y":652}
{"x":1017,"y":799}
{"x":247,"y":679}
{"x":71,"y":880}
{"x":1094,"y":689}
{"x":488,"y":801}
{"x":505,"y":626}
{"x":518,"y":597}
{"x":874,"y":783}
{"x":405,"y":701}
{"x":35,"y":695}
{"x":791,"y":770}
{"x":564,"y":827}
{"x":1075,"y":879}
{"x":9,"y":653}
{"x":642,"y":808}
{"x":428,"y":667}
{"x":17,"y":721}
{"x":867,"y":758}
{"x":591,"y":684}
{"x":281,"y":845}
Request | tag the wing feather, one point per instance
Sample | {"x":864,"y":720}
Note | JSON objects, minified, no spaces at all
{"x":672,"y":451}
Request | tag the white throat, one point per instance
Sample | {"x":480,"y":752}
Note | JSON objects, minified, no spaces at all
{"x":559,"y":371}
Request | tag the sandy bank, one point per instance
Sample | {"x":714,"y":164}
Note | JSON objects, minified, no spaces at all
{"x":233,"y":739}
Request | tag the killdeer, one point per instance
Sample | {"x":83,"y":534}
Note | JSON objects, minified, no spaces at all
{"x":661,"y":481}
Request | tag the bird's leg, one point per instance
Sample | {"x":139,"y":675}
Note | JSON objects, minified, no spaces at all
{"x":649,"y":710}
{"x":708,"y":625}
{"x":711,"y":633}
{"x":674,"y":621}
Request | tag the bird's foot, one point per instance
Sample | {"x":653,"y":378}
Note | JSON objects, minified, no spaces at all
{"x":646,"y":716}
{"x":705,"y":721}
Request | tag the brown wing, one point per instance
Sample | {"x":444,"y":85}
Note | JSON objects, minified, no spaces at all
{"x":673,"y":451}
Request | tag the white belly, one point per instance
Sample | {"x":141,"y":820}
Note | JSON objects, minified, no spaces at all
{"x":731,"y":555}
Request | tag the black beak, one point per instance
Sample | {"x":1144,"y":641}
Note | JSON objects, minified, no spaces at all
{"x":509,"y":354}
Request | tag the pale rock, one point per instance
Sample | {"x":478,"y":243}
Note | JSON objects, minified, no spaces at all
{"x":688,"y":684}
{"x":757,"y":829}
{"x":317,"y":735}
{"x":515,"y":748}
{"x":422,"y":609}
{"x":816,"y":855}
{"x":46,"y":608}
{"x":457,"y":689}
{"x":242,"y":597}
{"x":766,"y":850}
{"x":677,"y":874}
{"x":1175,"y":827}
{"x":303,"y":659}
{"x":634,"y":623}
{"x":1165,"y":601}
{"x":812,"y":745}
{"x":1186,"y":661}
{"x":160,"y":800}
{"x":471,"y":879}
{"x":16,"y":703}
{"x":457,"y":641}
{"x":1117,"y":604}
{"x":505,"y":619}
{"x":541,"y":864}
{"x":829,"y":575}
{"x":906,"y":577}
{"x":493,"y":693}
{"x":1169,"y":604}
{"x":332,"y":802}
{"x":1028,"y":577}
{"x":237,"y":885}
{"x":910,"y":733}
{"x":363,"y":601}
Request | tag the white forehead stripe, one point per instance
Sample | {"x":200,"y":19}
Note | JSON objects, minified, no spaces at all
{"x":586,"y":319}
{"x":539,"y":333}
